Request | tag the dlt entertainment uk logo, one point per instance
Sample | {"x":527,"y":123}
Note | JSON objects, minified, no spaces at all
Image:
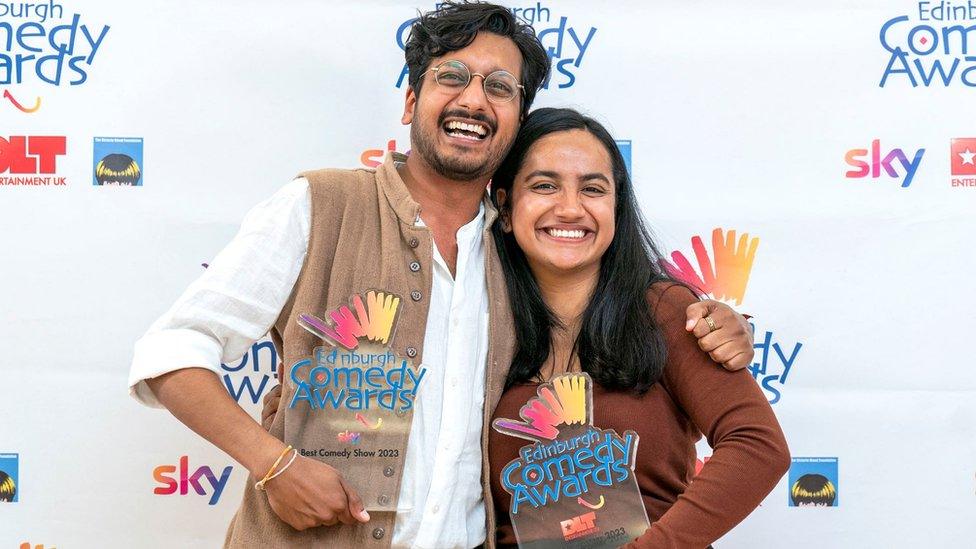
{"x":31,"y":160}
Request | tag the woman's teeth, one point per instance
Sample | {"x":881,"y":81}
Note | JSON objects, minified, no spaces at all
{"x":562,"y":233}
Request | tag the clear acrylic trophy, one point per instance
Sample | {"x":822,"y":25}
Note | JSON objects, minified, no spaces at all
{"x":574,"y":486}
{"x":351,"y":403}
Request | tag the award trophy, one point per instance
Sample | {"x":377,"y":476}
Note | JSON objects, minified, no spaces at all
{"x":351,"y":402}
{"x":574,"y":486}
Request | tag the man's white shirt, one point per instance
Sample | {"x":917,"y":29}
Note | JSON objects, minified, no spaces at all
{"x":238,"y":298}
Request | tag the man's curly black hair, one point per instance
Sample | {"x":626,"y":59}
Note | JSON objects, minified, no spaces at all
{"x":454,"y":25}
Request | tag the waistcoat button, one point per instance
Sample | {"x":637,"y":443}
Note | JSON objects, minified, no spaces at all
{"x":379,"y":533}
{"x":415,"y":266}
{"x":415,"y":295}
{"x":388,"y":472}
{"x":414,"y":243}
{"x":383,"y":500}
{"x":411,"y":352}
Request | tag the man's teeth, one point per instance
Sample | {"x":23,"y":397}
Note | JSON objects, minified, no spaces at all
{"x":562,"y":233}
{"x":473,"y":128}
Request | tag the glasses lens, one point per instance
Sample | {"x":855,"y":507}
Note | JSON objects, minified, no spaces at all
{"x":452,"y":74}
{"x":501,"y":86}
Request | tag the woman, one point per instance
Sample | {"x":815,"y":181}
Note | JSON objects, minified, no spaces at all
{"x":588,"y":294}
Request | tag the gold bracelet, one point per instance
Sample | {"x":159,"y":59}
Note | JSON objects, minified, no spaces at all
{"x":259,"y":485}
{"x":287,"y":465}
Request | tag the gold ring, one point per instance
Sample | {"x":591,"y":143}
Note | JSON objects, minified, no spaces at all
{"x":711,"y":324}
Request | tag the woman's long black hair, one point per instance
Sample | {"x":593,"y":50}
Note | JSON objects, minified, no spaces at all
{"x":619,"y":344}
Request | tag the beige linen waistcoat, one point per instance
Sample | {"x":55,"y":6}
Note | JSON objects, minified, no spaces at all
{"x":364,"y":236}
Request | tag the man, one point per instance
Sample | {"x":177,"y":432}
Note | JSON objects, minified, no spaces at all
{"x":416,"y":227}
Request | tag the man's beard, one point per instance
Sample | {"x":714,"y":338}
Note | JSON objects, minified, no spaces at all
{"x":455,"y":166}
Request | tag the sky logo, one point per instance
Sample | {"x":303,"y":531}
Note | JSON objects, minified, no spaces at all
{"x":373,"y":158}
{"x":170,"y":484}
{"x":859,"y":159}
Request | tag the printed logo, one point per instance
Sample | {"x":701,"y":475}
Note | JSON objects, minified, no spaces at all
{"x":118,"y":162}
{"x":858,"y":158}
{"x":580,"y":526}
{"x":813,"y":482}
{"x":724,"y":276}
{"x":700,"y":464}
{"x":372,"y":158}
{"x":170,"y":484}
{"x":565,"y":44}
{"x":9,"y":478}
{"x":31,"y":160}
{"x":932,"y":48}
{"x":625,"y":149}
{"x":252,"y":376}
{"x":963,"y":161}
{"x":43,"y":47}
{"x":363,"y":380}
{"x":570,"y":466}
{"x":347,"y":437}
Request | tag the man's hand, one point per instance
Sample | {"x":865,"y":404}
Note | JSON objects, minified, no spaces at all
{"x":271,"y":400}
{"x":311,"y":493}
{"x":727,"y":339}
{"x":307,"y":494}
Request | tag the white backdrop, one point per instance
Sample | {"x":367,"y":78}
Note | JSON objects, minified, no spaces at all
{"x":740,"y":117}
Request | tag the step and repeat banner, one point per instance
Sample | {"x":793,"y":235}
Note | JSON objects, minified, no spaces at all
{"x":812,"y":164}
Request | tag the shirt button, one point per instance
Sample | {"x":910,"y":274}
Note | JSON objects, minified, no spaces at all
{"x":415,"y":295}
{"x":435,"y":508}
{"x":415,"y":266}
{"x":453,"y":382}
{"x":414,"y":243}
{"x":388,"y":472}
{"x":411,"y":352}
{"x":379,"y":533}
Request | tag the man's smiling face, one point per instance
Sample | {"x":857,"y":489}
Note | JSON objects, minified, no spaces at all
{"x":464,"y":136}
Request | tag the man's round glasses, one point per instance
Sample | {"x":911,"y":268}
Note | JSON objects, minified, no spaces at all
{"x":500,"y":86}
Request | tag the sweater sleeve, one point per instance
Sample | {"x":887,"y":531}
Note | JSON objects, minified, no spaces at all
{"x":749,"y":450}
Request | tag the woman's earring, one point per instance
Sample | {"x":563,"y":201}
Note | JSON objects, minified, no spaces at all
{"x":506,"y":223}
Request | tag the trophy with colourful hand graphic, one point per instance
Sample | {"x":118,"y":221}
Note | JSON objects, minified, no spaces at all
{"x":350,"y":404}
{"x":574,"y":486}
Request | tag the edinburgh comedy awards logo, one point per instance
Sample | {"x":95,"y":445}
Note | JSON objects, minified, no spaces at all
{"x":44,"y":46}
{"x":565,"y":38}
{"x":929,"y":45}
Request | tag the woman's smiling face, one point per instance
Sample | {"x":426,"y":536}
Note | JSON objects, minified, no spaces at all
{"x":562,"y":204}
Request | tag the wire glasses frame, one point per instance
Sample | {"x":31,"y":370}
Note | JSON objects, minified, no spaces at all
{"x":499,"y":86}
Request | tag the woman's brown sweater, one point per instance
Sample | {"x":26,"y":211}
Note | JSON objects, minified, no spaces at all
{"x":693,"y":396}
